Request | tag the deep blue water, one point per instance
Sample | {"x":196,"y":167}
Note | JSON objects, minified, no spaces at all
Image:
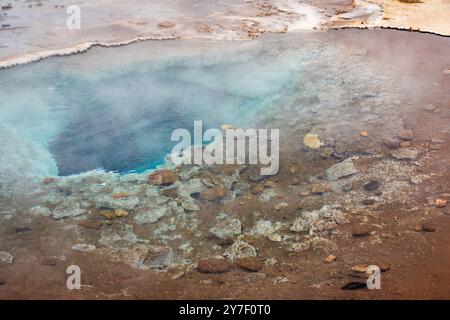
{"x":120,"y":117}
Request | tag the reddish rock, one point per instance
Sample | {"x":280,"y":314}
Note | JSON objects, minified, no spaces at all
{"x":163,"y":177}
{"x":360,"y":230}
{"x":213,"y":194}
{"x":166,"y":24}
{"x":214,"y":266}
{"x":406,"y":135}
{"x":441,"y":203}
{"x":250,"y":264}
{"x":429,"y":227}
{"x":90,"y":224}
{"x":120,"y":195}
{"x":49,"y":262}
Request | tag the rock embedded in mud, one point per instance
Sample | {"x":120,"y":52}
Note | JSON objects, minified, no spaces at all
{"x":312,"y":141}
{"x":168,"y":24}
{"x":163,"y":177}
{"x":368,"y":202}
{"x":406,"y":135}
{"x":6,"y":257}
{"x":91,"y":224}
{"x":108,"y":202}
{"x":118,"y":235}
{"x":67,"y":210}
{"x":341,"y":170}
{"x":40,"y":211}
{"x":319,"y":189}
{"x":250,"y":264}
{"x":226,"y":228}
{"x":360,"y":230}
{"x":84,"y":247}
{"x":151,"y":215}
{"x":327,"y":153}
{"x":240,"y":249}
{"x":213,"y":194}
{"x":429,"y":227}
{"x":371,"y":185}
{"x":391,"y":143}
{"x":113,"y":214}
{"x":405,"y":154}
{"x":159,"y":257}
{"x":299,"y":246}
{"x":441,"y":203}
{"x":329,"y":259}
{"x":214,"y":265}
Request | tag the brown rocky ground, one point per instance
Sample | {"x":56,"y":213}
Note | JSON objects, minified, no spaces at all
{"x":295,"y":267}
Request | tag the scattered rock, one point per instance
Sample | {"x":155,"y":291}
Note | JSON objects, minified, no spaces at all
{"x":67,"y":210}
{"x":22,"y":229}
{"x":327,"y":153}
{"x":364,"y":133}
{"x":391,"y":143}
{"x":213,"y":194}
{"x":299,"y":246}
{"x":320,"y":189}
{"x":280,"y":206}
{"x":159,"y":257}
{"x":240,"y":249}
{"x":405,"y":154}
{"x":6,"y":257}
{"x":258,"y":188}
{"x":347,"y":187}
{"x":368,"y":202}
{"x":312,"y":141}
{"x":119,"y":235}
{"x":163,"y":177}
{"x":110,"y":203}
{"x":226,"y":228}
{"x":329,"y":259}
{"x":360,"y":268}
{"x":40,"y":211}
{"x":354,"y":285}
{"x":441,"y":203}
{"x":429,"y":108}
{"x":360,"y":230}
{"x":341,"y":170}
{"x":91,"y":224}
{"x":280,"y":280}
{"x":120,"y":195}
{"x":371,"y":185}
{"x":110,"y":214}
{"x":429,"y":227}
{"x":405,"y":144}
{"x":49,"y":262}
{"x":213,"y":265}
{"x":166,"y":24}
{"x":406,"y":135}
{"x":84,"y":247}
{"x":251,"y":264}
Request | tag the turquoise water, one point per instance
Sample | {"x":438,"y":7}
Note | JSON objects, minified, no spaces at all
{"x":67,"y":116}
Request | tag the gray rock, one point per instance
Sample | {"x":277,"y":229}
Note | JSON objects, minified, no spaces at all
{"x":405,"y":154}
{"x":159,"y":258}
{"x":68,"y":209}
{"x":6,"y":257}
{"x":150,"y":215}
{"x":83,"y":247}
{"x":40,"y":211}
{"x":119,"y":235}
{"x":121,"y":203}
{"x":226,"y":228}
{"x":341,"y":170}
{"x":240,"y":249}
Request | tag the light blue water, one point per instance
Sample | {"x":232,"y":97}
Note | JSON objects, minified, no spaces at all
{"x":120,"y":117}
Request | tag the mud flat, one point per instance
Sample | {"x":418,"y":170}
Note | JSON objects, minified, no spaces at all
{"x":379,"y":183}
